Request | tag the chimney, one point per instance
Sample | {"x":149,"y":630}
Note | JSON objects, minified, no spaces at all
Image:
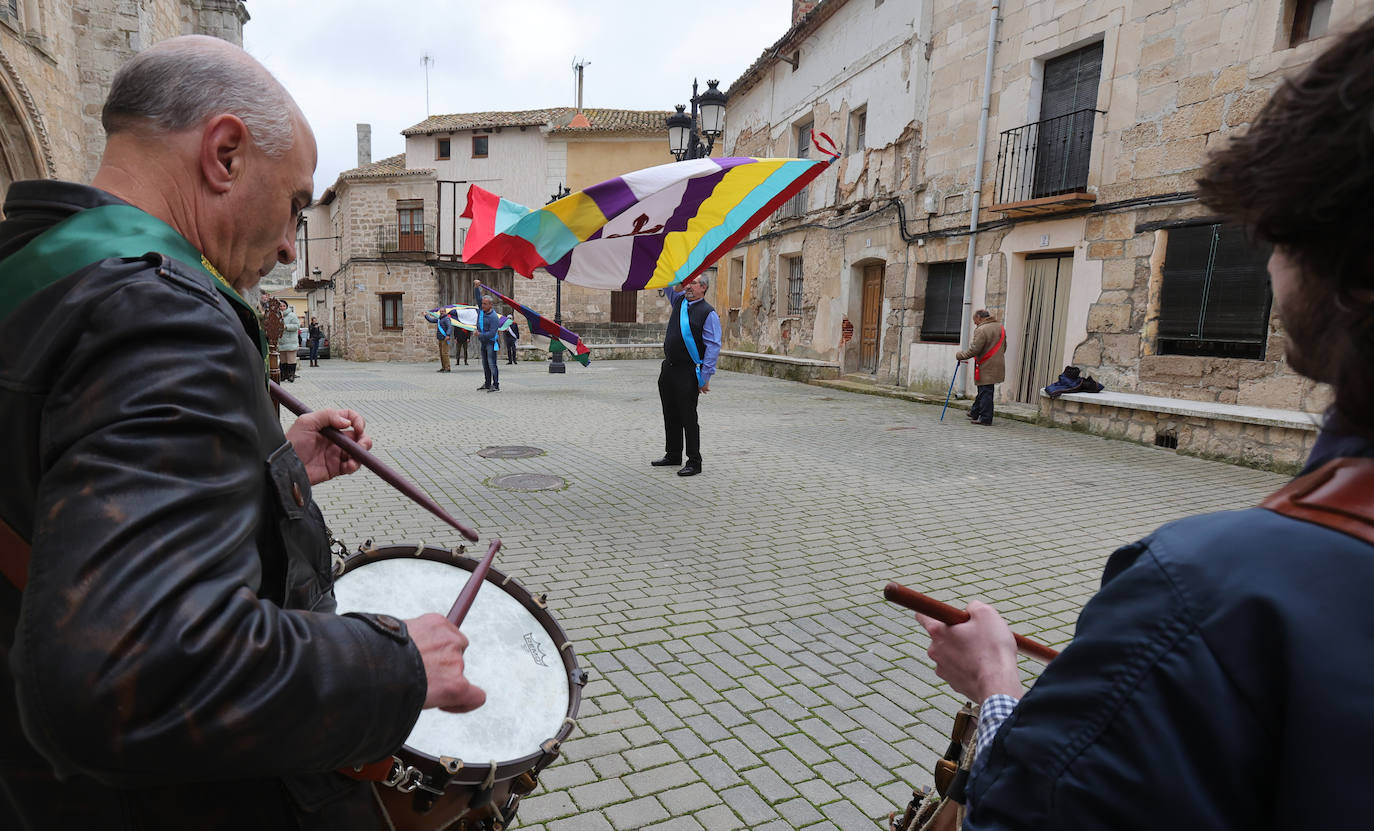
{"x":801,"y":8}
{"x":364,"y":145}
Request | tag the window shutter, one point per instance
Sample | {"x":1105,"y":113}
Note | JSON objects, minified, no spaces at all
{"x":1071,"y":81}
{"x":944,"y":302}
{"x":1238,"y":292}
{"x":1185,"y":279}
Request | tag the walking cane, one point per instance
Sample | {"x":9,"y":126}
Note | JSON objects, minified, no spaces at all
{"x":951,"y":389}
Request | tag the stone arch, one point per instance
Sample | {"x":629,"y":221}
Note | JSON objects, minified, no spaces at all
{"x":24,"y":149}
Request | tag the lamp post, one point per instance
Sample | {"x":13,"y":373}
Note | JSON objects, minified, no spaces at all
{"x":556,"y":365}
{"x":693,"y":136}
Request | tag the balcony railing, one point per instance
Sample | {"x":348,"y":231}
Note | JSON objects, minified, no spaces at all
{"x":394,"y":238}
{"x":1045,"y":159}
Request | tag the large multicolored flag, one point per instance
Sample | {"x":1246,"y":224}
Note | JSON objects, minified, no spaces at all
{"x":463,"y":316}
{"x":644,"y":230}
{"x":540,"y":325}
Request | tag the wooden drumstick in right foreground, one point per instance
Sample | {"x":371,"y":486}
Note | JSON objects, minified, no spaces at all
{"x":947,"y":614}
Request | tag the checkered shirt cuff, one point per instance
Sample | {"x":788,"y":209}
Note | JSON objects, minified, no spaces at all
{"x":990,"y":716}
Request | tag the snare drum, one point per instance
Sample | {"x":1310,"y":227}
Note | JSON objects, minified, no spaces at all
{"x":469,"y":770}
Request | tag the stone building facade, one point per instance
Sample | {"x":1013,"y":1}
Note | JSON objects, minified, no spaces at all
{"x":57,"y":58}
{"x":1078,"y":267}
{"x":385,"y":242}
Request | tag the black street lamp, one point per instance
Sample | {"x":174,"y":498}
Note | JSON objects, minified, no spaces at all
{"x":556,"y":365}
{"x":693,"y":136}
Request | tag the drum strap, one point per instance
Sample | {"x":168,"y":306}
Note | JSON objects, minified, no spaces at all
{"x":14,"y":556}
{"x":1336,"y":495}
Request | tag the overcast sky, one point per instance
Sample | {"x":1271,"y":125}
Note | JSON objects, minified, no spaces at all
{"x":349,"y":61}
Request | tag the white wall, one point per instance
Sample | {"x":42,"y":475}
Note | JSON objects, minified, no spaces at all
{"x":861,"y":57}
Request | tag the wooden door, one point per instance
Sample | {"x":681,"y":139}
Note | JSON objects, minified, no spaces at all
{"x":624,"y":306}
{"x":872,"y":309}
{"x":410,"y":229}
{"x":1047,"y":308}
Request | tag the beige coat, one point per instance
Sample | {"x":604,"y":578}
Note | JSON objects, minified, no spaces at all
{"x":994,"y":367}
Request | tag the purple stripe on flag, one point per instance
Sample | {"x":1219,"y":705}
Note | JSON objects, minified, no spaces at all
{"x":560,"y":268}
{"x":647,"y":249}
{"x":611,"y":196}
{"x":733,"y":161}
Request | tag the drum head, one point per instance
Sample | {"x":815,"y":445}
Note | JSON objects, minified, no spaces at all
{"x":512,"y":657}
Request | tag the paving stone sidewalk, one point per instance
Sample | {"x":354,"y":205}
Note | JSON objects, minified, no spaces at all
{"x":746,"y":672}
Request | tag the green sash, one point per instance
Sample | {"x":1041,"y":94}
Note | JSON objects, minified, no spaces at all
{"x":95,"y":234}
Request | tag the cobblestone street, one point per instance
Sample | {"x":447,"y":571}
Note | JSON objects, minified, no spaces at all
{"x":745,"y":670}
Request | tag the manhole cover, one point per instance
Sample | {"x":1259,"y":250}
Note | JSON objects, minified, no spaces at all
{"x":509,"y":452}
{"x":528,"y":482}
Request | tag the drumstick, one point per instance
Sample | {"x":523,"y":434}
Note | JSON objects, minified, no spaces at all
{"x":365,"y":458}
{"x":469,"y":592}
{"x":947,"y":614}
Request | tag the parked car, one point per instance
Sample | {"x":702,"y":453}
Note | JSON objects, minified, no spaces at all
{"x":304,"y":351}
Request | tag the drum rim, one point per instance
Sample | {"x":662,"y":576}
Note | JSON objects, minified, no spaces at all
{"x":475,"y":772}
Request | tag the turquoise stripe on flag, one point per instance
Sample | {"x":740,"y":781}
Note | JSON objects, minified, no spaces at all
{"x":507,"y":214}
{"x":754,"y":202}
{"x":546,"y":232}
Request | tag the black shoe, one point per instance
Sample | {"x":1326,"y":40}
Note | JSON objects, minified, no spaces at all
{"x":484,"y":387}
{"x":689,"y":469}
{"x":666,"y":462}
{"x":494,"y":389}
{"x":981,"y":423}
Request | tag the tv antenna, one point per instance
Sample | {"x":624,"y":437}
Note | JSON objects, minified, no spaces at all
{"x":427,"y":61}
{"x":578,"y":64}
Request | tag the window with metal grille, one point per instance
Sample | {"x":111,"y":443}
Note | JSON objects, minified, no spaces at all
{"x":445,"y":146}
{"x":479,"y":147}
{"x":391,"y":311}
{"x":944,"y":302}
{"x":1214,"y":299}
{"x":1311,"y":19}
{"x":794,"y":285}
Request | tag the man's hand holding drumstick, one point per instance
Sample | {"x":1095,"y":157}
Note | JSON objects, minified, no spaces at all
{"x":449,"y":689}
{"x":441,"y":648}
{"x":977,"y":657}
{"x":974,"y":650}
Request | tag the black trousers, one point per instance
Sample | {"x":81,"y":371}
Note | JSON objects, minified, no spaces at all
{"x":678,"y":392}
{"x":982,"y":404}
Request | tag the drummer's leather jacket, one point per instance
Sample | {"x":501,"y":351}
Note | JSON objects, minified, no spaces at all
{"x":174,"y":659}
{"x":1220,"y":679}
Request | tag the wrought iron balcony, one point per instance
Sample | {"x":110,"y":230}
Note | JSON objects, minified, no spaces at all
{"x":1043,"y":167}
{"x":398,"y":238}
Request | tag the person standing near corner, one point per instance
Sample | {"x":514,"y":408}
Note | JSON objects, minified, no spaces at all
{"x":989,"y":353}
{"x":690,"y":349}
{"x":488,"y":341}
{"x":316,"y":335}
{"x":511,"y":336}
{"x":442,"y":331}
{"x":289,"y":345}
